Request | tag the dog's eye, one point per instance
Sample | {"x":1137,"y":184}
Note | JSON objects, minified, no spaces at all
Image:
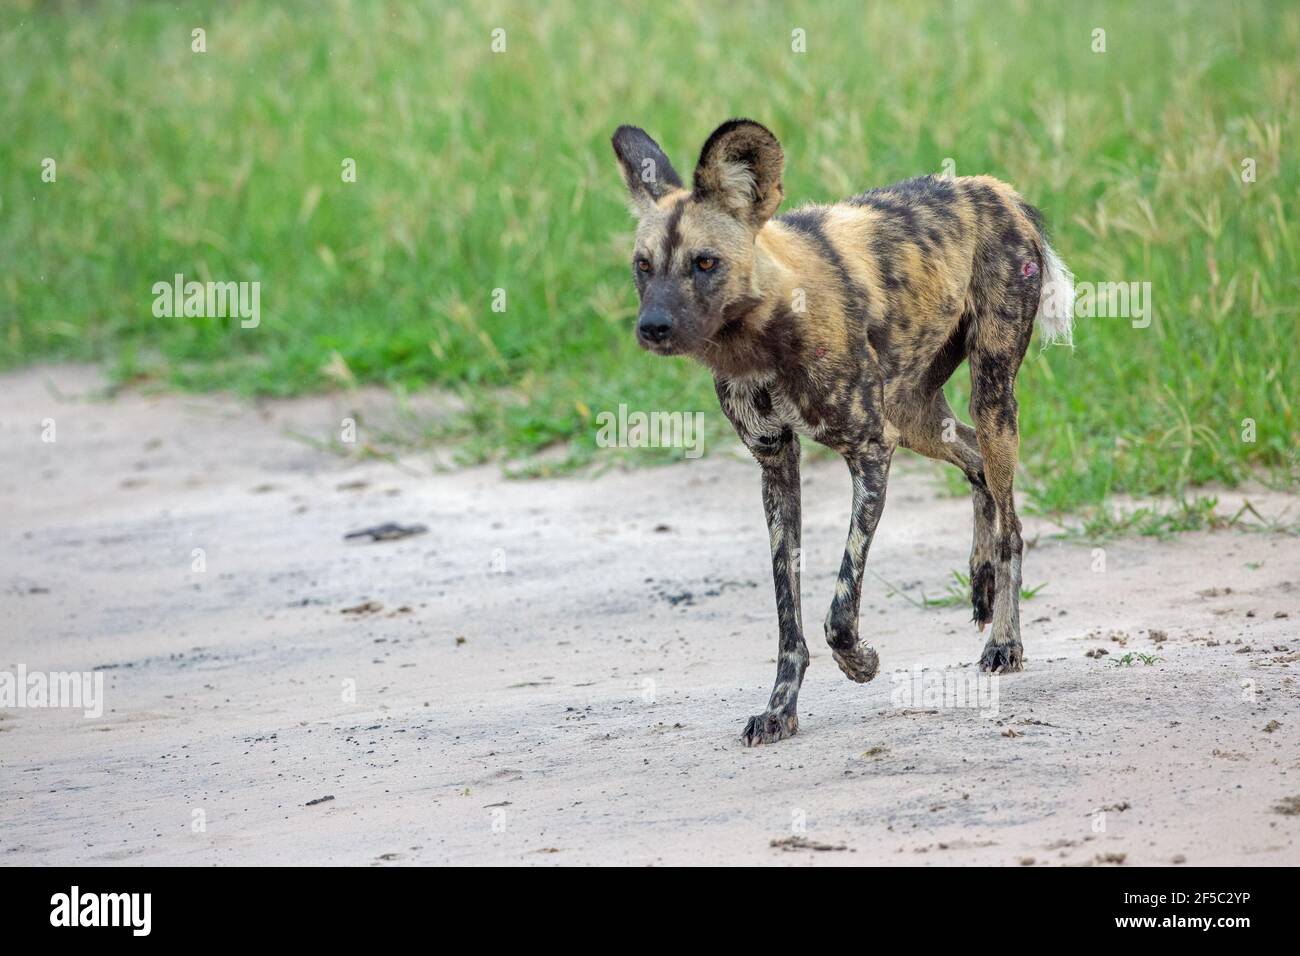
{"x":705,"y":263}
{"x":643,"y":265}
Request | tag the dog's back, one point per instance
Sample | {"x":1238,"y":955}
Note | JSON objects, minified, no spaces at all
{"x":926,"y":258}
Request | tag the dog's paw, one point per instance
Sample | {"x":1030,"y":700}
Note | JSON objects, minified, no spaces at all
{"x":859,"y":663}
{"x":1002,"y":658}
{"x":768,"y":728}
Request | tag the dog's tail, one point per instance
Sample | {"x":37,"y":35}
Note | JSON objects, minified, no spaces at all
{"x":1056,"y":301}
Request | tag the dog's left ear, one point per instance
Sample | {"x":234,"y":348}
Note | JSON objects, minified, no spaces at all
{"x":740,"y":169}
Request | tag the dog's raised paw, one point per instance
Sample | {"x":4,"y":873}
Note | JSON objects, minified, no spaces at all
{"x":859,"y":663}
{"x":768,"y":728}
{"x":1002,"y":658}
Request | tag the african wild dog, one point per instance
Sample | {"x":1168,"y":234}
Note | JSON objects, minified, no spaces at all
{"x":843,"y":322}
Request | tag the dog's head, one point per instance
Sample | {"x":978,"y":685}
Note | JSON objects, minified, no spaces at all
{"x":693,"y":262}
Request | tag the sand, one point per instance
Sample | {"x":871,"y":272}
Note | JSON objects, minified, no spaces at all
{"x":557,"y":671}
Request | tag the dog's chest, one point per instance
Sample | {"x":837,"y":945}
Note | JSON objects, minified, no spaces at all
{"x":759,"y":408}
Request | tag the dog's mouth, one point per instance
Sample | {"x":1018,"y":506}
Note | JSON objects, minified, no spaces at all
{"x":674,"y":343}
{"x":687,"y":338}
{"x":665,"y":347}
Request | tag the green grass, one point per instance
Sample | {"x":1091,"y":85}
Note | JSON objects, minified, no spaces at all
{"x":479,"y":171}
{"x":1186,"y":513}
{"x":957,"y":593}
{"x":1128,"y":659}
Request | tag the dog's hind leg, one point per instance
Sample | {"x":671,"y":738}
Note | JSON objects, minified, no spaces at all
{"x":781,"y":505}
{"x":869,"y":468}
{"x":937,"y":433}
{"x":993,"y":406}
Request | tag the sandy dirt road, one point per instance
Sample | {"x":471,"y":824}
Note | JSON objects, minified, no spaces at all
{"x":558,"y":671}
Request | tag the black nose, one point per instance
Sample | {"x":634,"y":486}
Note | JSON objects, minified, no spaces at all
{"x":654,"y":326}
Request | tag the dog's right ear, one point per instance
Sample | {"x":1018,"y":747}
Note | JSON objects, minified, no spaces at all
{"x":646,"y":170}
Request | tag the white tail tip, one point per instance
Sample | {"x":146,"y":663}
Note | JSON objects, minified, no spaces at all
{"x":1056,"y":301}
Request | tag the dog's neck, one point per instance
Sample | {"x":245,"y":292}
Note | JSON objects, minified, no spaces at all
{"x":753,"y":338}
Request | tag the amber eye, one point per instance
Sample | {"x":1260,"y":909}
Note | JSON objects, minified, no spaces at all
{"x":643,"y":265}
{"x":705,"y":263}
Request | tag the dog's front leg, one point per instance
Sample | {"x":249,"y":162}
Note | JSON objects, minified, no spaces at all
{"x":781,"y":504}
{"x":869,"y":467}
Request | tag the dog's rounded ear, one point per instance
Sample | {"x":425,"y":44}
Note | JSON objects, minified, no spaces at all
{"x":740,"y":169}
{"x":646,"y":170}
